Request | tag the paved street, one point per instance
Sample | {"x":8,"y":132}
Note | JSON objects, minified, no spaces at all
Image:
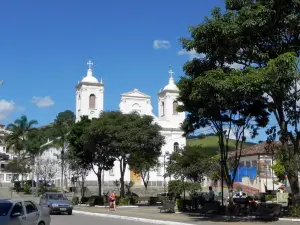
{"x":78,"y":219}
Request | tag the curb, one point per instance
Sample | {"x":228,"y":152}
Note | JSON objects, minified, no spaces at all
{"x":119,"y":207}
{"x":290,"y":219}
{"x":144,"y":220}
{"x":102,"y":206}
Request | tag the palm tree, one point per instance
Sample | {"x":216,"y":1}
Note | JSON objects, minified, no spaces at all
{"x":18,"y":136}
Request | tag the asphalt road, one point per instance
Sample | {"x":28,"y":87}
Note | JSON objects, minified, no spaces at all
{"x":77,"y":219}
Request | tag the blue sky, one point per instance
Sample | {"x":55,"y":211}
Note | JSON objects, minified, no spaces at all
{"x":45,"y":45}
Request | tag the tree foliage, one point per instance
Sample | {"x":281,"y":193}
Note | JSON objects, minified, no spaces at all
{"x":60,"y":130}
{"x":188,"y":163}
{"x":247,"y":34}
{"x":147,"y":141}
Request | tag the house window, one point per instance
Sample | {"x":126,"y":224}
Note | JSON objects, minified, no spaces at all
{"x":1,"y":177}
{"x":241,"y":164}
{"x":175,"y":105}
{"x":254,"y":163}
{"x":111,"y":172}
{"x":92,"y":102}
{"x":159,"y":172}
{"x":176,"y":146}
{"x":248,"y":164}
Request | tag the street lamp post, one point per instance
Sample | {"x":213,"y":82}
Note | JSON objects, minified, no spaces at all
{"x":165,"y":155}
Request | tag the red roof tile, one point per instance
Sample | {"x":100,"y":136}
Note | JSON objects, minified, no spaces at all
{"x":259,"y":149}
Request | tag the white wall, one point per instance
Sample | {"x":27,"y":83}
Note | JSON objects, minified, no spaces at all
{"x":82,"y":100}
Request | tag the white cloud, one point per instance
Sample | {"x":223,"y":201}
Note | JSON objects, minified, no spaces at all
{"x":42,"y":102}
{"x":234,"y":136}
{"x":191,"y":54}
{"x":164,"y":44}
{"x":236,"y":66}
{"x":6,"y":107}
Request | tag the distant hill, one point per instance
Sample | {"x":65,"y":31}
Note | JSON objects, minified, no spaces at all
{"x":210,"y":143}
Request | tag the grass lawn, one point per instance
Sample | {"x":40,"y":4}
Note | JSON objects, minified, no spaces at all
{"x":211,"y":143}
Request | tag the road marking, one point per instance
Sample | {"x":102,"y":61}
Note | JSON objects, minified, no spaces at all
{"x":144,"y":220}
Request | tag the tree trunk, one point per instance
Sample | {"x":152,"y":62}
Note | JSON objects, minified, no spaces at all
{"x":62,"y":170}
{"x":82,"y":187}
{"x":122,"y":172}
{"x":99,"y":176}
{"x":294,"y":182}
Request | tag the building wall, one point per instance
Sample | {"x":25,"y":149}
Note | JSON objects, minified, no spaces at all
{"x":136,"y":101}
{"x":83,"y":98}
{"x":265,"y":174}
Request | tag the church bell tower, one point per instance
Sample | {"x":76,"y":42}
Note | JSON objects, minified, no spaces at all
{"x":89,"y":96}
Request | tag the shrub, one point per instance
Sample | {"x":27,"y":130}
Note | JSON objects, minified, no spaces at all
{"x":53,"y":190}
{"x":270,"y":197}
{"x":294,"y":211}
{"x":84,"y":200}
{"x":96,"y":200}
{"x":75,"y":200}
{"x":153,"y":200}
{"x":179,"y":203}
{"x":26,"y":188}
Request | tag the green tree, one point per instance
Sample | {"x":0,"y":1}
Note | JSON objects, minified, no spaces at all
{"x":146,"y":141}
{"x":213,"y":98}
{"x":37,"y":143}
{"x":189,"y":163}
{"x":79,"y":162}
{"x":251,"y":33}
{"x":279,"y":170}
{"x":60,"y":130}
{"x":98,"y":144}
{"x":17,"y":139}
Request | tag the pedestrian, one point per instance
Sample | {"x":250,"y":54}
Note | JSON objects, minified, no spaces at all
{"x":112,"y":200}
{"x":211,"y":194}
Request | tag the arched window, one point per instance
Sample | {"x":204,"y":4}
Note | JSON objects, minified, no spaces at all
{"x":136,"y":108}
{"x":92,"y":102}
{"x":176,"y":146}
{"x":175,"y":105}
{"x":162,"y":109}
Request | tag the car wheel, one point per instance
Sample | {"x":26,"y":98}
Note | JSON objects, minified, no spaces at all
{"x":70,"y":212}
{"x":41,"y":223}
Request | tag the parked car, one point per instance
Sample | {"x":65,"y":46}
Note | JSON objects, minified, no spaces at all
{"x":57,"y":203}
{"x":15,"y":212}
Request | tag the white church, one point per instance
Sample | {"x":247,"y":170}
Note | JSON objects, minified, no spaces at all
{"x":90,"y":102}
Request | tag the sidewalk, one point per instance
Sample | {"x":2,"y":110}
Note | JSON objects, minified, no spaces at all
{"x":152,"y":213}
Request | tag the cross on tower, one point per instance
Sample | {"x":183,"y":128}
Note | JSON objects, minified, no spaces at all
{"x":171,"y":71}
{"x":90,"y":64}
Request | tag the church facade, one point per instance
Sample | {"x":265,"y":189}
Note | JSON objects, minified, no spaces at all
{"x":90,"y":102}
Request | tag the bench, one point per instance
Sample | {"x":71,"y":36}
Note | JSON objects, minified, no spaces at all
{"x":210,"y":207}
{"x":168,"y":206}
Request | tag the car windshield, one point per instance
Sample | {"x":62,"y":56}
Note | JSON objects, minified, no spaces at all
{"x":4,"y":208}
{"x":57,"y":197}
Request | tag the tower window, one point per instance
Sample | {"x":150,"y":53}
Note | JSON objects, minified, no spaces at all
{"x":176,"y":146}
{"x":92,"y":102}
{"x":162,"y":108}
{"x":175,"y":105}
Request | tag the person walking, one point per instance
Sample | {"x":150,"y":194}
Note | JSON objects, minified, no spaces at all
{"x":113,"y":203}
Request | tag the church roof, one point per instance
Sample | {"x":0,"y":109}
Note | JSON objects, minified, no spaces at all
{"x":89,"y":78}
{"x":171,"y":86}
{"x":135,"y":93}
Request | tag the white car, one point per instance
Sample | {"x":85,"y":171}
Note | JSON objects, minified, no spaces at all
{"x":15,"y":212}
